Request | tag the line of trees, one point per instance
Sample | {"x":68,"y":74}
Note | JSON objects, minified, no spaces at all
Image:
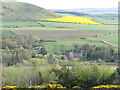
{"x":89,"y":52}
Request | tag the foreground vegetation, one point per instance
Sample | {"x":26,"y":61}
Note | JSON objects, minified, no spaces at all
{"x":78,"y":76}
{"x":67,"y":52}
{"x":27,"y":63}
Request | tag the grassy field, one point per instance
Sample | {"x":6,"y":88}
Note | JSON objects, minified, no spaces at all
{"x":110,"y":38}
{"x":106,"y":18}
{"x":95,"y":28}
{"x":7,"y":33}
{"x":23,"y":25}
{"x":63,"y":26}
{"x":67,"y":43}
{"x":19,"y":23}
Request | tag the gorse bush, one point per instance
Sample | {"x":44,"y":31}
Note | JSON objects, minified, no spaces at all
{"x":106,"y":87}
{"x":58,"y":87}
{"x":48,"y":87}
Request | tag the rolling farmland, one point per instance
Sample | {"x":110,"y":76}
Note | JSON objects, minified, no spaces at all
{"x":48,"y":50}
{"x":57,"y":30}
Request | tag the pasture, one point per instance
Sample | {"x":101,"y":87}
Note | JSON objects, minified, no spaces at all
{"x":19,"y":23}
{"x":67,"y":43}
{"x":110,"y":38}
{"x":7,"y":33}
{"x":106,"y":18}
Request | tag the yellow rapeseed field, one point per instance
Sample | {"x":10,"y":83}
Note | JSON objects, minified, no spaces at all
{"x":74,"y":19}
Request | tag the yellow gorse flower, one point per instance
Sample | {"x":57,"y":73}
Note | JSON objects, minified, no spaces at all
{"x":107,"y":86}
{"x":9,"y":87}
{"x":54,"y":86}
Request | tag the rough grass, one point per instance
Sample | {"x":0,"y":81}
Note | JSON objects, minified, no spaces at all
{"x":25,"y":11}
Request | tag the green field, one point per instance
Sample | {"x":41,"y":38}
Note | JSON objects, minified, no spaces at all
{"x":110,"y":38}
{"x":19,"y":23}
{"x":95,"y":28}
{"x":7,"y":33}
{"x":25,"y":25}
{"x":106,"y":18}
{"x":22,"y":25}
{"x":67,"y":43}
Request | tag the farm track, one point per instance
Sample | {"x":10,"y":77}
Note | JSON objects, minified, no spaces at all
{"x":109,"y":43}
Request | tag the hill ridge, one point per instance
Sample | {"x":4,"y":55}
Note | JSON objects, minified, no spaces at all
{"x":24,"y":11}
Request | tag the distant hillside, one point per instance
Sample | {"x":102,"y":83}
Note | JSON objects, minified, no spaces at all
{"x":24,"y":11}
{"x":72,"y":13}
{"x":89,"y":10}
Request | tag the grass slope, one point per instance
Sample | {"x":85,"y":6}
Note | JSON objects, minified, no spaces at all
{"x":19,"y":10}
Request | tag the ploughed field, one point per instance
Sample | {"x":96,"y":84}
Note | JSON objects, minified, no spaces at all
{"x":58,"y":34}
